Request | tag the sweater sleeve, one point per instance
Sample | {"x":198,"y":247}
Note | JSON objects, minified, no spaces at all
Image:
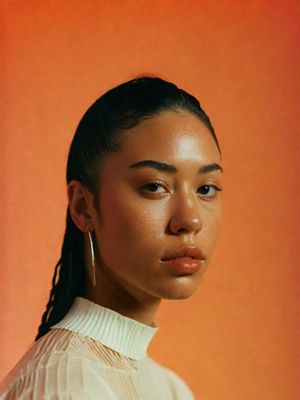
{"x":178,"y":387}
{"x":63,"y":377}
{"x":181,"y":390}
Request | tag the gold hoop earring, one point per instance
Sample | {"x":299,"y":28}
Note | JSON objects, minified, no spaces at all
{"x":93,"y":259}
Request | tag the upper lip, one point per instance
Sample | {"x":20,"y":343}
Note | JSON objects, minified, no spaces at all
{"x":185,"y":251}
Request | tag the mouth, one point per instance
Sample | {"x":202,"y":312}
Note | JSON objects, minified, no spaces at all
{"x":191,"y":252}
{"x":185,"y":260}
{"x":177,"y":258}
{"x":181,"y":266}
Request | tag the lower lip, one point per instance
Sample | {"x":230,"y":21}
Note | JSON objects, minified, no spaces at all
{"x":184,"y":265}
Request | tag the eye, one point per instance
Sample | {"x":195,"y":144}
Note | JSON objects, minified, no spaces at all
{"x":209,"y":190}
{"x":152,"y":187}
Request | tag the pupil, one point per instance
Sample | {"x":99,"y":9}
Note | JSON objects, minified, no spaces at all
{"x":153,"y":186}
{"x":205,"y":189}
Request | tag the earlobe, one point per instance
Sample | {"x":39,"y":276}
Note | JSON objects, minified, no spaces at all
{"x":79,"y":205}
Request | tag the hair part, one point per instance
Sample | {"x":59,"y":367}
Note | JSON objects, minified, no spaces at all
{"x":96,"y":137}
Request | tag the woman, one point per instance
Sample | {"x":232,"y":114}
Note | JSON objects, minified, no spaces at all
{"x":144,"y":212}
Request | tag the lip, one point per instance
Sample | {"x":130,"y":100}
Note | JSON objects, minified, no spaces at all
{"x":185,"y":252}
{"x":186,"y":260}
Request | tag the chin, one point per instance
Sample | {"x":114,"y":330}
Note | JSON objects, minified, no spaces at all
{"x":181,"y":296}
{"x":182,"y":289}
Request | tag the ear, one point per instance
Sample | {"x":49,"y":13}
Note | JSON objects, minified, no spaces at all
{"x":80,"y":205}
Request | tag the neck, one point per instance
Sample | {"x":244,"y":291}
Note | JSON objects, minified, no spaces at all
{"x":123,"y":299}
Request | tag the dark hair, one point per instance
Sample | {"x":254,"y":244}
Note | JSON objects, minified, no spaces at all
{"x":119,"y":109}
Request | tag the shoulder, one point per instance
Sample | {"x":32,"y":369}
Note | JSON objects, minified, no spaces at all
{"x":42,"y":374}
{"x":66,"y":374}
{"x":179,"y":387}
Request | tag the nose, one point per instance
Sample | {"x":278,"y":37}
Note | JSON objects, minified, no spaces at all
{"x":186,"y":216}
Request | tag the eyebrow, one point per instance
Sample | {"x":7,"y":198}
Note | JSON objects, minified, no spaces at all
{"x":161,"y":166}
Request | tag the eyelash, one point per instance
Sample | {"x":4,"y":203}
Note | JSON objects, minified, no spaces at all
{"x":217,"y":189}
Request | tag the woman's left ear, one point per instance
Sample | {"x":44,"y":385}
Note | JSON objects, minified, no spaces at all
{"x":80,"y":205}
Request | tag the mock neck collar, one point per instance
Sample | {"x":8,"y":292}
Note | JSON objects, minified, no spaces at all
{"x":114,"y":330}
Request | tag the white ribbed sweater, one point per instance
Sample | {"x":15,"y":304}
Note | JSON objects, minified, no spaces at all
{"x":93,"y":353}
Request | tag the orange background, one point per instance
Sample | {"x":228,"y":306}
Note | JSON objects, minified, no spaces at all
{"x":237,"y":337}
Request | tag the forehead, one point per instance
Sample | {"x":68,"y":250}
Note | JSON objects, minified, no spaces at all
{"x":178,"y":132}
{"x":177,"y":137}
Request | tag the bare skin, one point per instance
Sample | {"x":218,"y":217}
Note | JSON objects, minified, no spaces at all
{"x":145,"y":213}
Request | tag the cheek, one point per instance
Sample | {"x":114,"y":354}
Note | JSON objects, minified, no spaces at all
{"x":130,"y":228}
{"x":212,"y":228}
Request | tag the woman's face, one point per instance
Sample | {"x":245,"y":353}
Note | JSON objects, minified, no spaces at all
{"x":146,"y":212}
